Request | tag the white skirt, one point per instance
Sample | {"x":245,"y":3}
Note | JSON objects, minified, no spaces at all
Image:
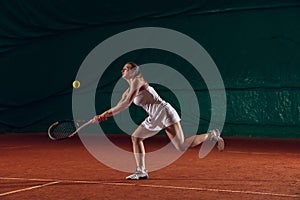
{"x":164,"y":116}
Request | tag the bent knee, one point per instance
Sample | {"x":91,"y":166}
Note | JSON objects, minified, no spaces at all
{"x":136,"y":139}
{"x":180,"y":148}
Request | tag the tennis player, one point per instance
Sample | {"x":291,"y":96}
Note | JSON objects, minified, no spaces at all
{"x":161,"y":116}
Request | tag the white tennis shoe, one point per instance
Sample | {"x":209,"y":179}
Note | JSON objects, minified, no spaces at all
{"x":138,"y":174}
{"x":215,"y":135}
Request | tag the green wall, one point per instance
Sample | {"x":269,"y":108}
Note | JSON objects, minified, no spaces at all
{"x":255,"y":44}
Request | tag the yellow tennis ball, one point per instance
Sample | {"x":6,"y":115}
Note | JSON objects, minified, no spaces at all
{"x":76,"y":84}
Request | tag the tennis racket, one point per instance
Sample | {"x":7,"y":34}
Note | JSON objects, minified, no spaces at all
{"x":65,"y":129}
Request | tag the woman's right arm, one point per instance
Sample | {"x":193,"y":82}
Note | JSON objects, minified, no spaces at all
{"x":110,"y":112}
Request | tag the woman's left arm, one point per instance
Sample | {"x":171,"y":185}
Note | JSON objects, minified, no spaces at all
{"x":124,"y":103}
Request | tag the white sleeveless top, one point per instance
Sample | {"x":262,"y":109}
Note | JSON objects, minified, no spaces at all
{"x":161,"y":113}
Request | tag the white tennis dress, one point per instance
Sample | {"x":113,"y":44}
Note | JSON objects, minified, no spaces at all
{"x":161,"y":113}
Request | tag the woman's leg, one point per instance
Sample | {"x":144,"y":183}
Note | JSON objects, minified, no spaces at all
{"x":175,"y":133}
{"x":137,"y":138}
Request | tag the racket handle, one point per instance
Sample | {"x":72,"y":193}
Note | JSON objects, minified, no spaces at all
{"x":82,"y":126}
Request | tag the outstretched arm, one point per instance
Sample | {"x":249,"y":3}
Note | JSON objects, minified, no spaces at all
{"x":124,"y":103}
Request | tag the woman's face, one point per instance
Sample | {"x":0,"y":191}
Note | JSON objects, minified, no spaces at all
{"x":127,"y":73}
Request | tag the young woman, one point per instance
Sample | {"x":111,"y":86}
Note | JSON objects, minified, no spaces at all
{"x":161,"y":116}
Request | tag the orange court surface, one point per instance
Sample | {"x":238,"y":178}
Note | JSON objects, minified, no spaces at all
{"x":35,"y":167}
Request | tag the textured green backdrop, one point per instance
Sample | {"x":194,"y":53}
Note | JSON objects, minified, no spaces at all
{"x":255,"y":44}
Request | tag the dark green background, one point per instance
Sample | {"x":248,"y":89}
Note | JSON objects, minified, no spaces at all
{"x":255,"y":44}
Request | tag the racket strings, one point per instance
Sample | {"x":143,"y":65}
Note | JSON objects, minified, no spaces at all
{"x":63,"y":130}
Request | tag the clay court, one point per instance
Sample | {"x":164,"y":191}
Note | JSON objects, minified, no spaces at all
{"x":35,"y":167}
{"x":235,"y":61}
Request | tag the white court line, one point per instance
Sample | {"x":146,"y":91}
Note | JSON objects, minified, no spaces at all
{"x":222,"y":190}
{"x":263,"y":153}
{"x":29,"y":188}
{"x":14,"y":147}
{"x":155,"y":186}
{"x":52,"y":180}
